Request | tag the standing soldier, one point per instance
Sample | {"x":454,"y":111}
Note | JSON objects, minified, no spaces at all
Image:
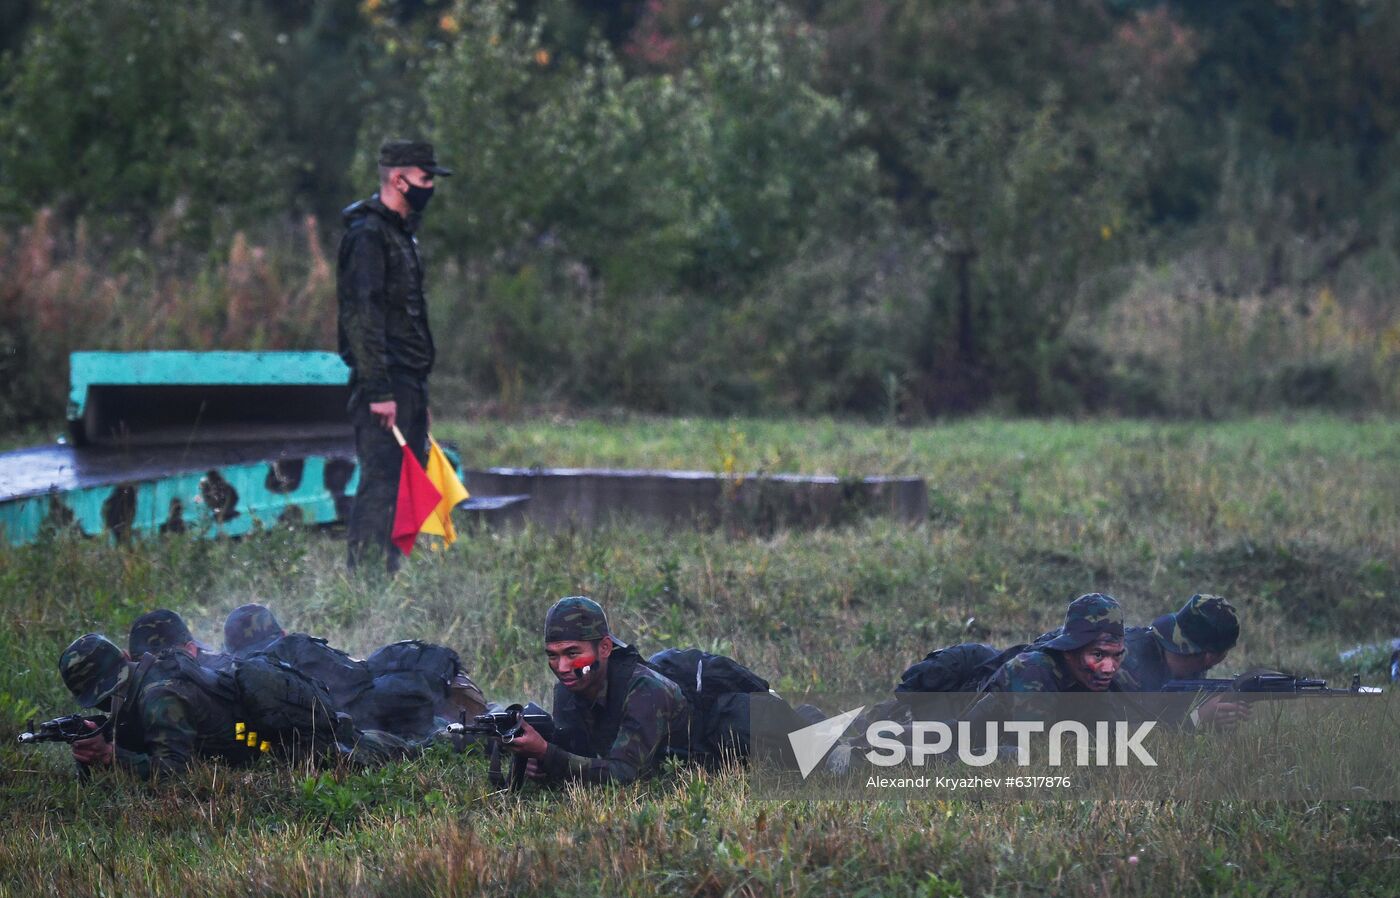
{"x":384,"y":337}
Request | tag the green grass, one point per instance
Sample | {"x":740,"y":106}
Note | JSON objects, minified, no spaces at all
{"x":1295,"y":520}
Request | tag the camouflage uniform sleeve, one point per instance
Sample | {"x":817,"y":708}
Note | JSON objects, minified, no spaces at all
{"x":647,"y":716}
{"x":1027,"y":672}
{"x":170,"y":736}
{"x":362,"y":311}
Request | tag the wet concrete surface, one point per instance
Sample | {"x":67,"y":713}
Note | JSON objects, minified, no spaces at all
{"x":32,"y":472}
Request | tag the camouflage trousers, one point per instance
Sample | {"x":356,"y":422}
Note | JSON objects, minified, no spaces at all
{"x":373,"y":748}
{"x":380,"y":458}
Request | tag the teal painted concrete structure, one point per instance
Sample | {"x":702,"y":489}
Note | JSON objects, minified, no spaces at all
{"x":204,"y":443}
{"x":232,"y":500}
{"x":89,"y":369}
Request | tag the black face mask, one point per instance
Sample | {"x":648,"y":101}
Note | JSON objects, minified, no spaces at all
{"x":418,"y":197}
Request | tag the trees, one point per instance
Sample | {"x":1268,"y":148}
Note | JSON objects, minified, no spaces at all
{"x":139,"y":112}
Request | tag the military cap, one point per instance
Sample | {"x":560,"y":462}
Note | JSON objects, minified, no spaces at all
{"x":250,"y":628}
{"x":158,"y":630}
{"x":410,"y":154}
{"x":1087,"y":618}
{"x":92,"y":668}
{"x":576,"y":618}
{"x":1204,"y":624}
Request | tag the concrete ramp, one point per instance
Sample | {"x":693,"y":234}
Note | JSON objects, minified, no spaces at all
{"x":593,"y":496}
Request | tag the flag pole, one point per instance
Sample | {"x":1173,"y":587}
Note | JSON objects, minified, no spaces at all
{"x":398,"y":435}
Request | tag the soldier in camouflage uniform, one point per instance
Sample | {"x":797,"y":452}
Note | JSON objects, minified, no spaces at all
{"x":1181,"y":646}
{"x":616,"y":719}
{"x":384,"y":337}
{"x":163,"y":716}
{"x":156,"y":631}
{"x":408,"y":688}
{"x":167,"y":711}
{"x":1086,"y":656}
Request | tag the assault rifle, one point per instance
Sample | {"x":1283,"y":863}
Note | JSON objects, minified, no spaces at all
{"x":1269,"y":684}
{"x":69,"y":729}
{"x":501,"y":727}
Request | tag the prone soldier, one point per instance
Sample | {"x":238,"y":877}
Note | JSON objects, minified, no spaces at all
{"x":156,"y":631}
{"x":162,"y":716}
{"x":615,"y":718}
{"x":408,"y":688}
{"x":1182,"y":645}
{"x":166,"y":711}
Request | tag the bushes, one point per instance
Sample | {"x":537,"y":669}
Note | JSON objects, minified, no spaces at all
{"x":899,"y":209}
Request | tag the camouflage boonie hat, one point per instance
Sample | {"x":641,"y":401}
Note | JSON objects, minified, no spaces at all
{"x":158,"y":630}
{"x":410,"y":153}
{"x":1204,"y":624}
{"x":1087,"y":618}
{"x":250,"y":628}
{"x":576,"y":618}
{"x":92,"y":668}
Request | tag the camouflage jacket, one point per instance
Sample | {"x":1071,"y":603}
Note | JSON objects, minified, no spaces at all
{"x":383,"y":311}
{"x":1028,"y":687}
{"x":175,"y":711}
{"x":636,"y":721}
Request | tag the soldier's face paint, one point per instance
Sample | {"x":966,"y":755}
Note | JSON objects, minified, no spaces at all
{"x":575,"y":664}
{"x":1095,"y":665}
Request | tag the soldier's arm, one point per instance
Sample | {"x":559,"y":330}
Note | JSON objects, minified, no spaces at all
{"x":362,"y":311}
{"x":647,"y":714}
{"x":170,"y":737}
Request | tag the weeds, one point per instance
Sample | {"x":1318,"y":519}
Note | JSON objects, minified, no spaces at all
{"x":1294,"y":521}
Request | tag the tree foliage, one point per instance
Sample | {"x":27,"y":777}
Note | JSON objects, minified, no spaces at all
{"x":885,"y":206}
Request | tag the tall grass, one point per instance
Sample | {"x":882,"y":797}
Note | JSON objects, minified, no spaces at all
{"x":1294,"y":521}
{"x":828,"y":332}
{"x":65,"y":291}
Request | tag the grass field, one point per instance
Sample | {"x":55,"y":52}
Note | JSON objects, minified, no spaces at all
{"x":1297,"y":521}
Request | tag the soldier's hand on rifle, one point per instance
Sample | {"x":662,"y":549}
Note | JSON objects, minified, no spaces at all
{"x":384,"y":413}
{"x":1219,"y":711}
{"x":529,"y":743}
{"x":95,"y":751}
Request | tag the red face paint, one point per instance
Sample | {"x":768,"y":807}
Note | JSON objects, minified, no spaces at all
{"x":572,"y":671}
